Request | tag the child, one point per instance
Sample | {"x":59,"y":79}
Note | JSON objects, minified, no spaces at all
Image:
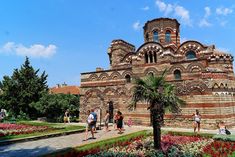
{"x":129,"y":122}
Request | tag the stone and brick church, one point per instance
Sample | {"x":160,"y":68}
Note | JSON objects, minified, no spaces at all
{"x":203,"y":76}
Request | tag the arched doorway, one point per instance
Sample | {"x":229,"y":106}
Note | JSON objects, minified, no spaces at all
{"x":110,"y":108}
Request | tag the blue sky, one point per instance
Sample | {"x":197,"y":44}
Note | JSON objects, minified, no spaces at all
{"x":68,"y":37}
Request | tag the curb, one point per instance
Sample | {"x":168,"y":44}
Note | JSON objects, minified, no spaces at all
{"x":7,"y":142}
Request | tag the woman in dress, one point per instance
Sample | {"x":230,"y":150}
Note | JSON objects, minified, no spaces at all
{"x":119,"y":121}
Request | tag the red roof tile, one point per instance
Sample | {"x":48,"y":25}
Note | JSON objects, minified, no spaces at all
{"x":65,"y":90}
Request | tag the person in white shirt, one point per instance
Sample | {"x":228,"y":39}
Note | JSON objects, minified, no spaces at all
{"x":197,"y":120}
{"x":87,"y":125}
{"x":91,"y":124}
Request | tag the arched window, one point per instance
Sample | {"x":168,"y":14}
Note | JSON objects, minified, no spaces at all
{"x":168,"y":36}
{"x":128,"y":78}
{"x":146,"y":57}
{"x":151,"y":57}
{"x":154,"y":57}
{"x":155,"y":36}
{"x":177,"y":75}
{"x":190,"y":55}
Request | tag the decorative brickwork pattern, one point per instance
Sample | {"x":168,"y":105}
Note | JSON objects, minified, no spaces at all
{"x":203,"y":76}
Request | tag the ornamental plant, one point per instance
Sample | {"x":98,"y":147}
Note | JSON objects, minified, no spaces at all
{"x":16,"y":129}
{"x":220,"y":148}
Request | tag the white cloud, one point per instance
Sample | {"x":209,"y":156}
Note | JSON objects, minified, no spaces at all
{"x":163,"y":7}
{"x":223,"y":11}
{"x":183,"y":14}
{"x":36,"y":50}
{"x":177,"y":10}
{"x":208,"y":12}
{"x":136,"y":26}
{"x":145,"y":8}
{"x":223,"y":23}
{"x":204,"y":21}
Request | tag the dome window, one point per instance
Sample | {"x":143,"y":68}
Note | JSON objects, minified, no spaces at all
{"x":168,"y":36}
{"x":190,"y":55}
{"x":155,"y":36}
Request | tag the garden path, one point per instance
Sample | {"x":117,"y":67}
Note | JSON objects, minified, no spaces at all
{"x":45,"y":146}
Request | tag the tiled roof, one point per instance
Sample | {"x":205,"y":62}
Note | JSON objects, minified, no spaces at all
{"x":65,"y":90}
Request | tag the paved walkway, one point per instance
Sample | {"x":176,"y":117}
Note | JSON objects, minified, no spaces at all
{"x":45,"y":146}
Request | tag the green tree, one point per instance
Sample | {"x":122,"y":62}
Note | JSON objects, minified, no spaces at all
{"x":53,"y":106}
{"x":159,"y":95}
{"x":21,"y":89}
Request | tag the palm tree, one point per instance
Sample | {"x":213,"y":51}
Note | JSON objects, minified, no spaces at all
{"x":159,"y":95}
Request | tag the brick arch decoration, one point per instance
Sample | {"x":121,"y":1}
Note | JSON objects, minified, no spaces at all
{"x":110,"y":90}
{"x":127,"y":58}
{"x":198,"y":86}
{"x":151,"y":69}
{"x":115,"y":74}
{"x":93,"y":77}
{"x":198,"y":66}
{"x":190,"y":46}
{"x":127,"y":72}
{"x":155,"y":29}
{"x":104,"y":75}
{"x":168,"y":29}
{"x":216,"y":86}
{"x":176,"y":67}
{"x":122,"y":91}
{"x":91,"y":93}
{"x":180,"y":89}
{"x":147,"y":47}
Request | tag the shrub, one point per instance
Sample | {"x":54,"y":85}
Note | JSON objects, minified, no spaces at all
{"x":224,"y":137}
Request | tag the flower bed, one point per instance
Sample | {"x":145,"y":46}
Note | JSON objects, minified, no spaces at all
{"x":142,"y":145}
{"x":220,"y":148}
{"x":171,"y":146}
{"x":7,"y":129}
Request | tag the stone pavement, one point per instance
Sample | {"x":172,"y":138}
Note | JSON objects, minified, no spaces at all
{"x":45,"y":146}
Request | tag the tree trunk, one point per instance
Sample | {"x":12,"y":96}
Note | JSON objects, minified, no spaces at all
{"x":156,"y":129}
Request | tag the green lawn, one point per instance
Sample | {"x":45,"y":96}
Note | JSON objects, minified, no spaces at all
{"x":54,"y":128}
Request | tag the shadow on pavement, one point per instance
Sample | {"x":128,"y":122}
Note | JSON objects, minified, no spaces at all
{"x":24,"y":152}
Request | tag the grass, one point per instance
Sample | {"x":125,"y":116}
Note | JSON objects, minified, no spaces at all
{"x":180,"y":133}
{"x":230,"y":138}
{"x":54,"y":128}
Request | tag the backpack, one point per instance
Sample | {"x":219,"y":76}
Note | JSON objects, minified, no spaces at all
{"x":95,"y":116}
{"x":227,"y":132}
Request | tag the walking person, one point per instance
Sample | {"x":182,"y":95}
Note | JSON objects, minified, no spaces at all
{"x":106,"y":121}
{"x":87,"y":125}
{"x":66,"y":116}
{"x":115,"y":117}
{"x":91,"y":124}
{"x":95,"y":118}
{"x":120,"y":122}
{"x":197,"y":121}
